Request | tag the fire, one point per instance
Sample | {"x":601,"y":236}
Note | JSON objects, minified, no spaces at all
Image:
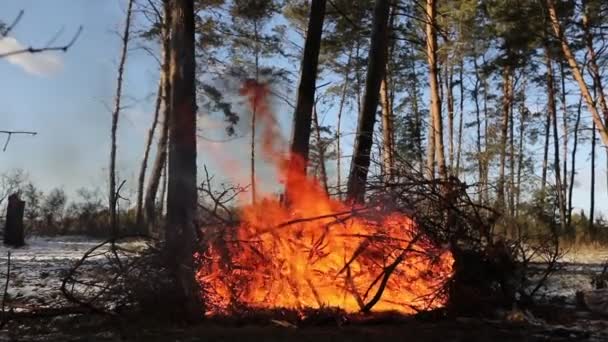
{"x":318,"y":251}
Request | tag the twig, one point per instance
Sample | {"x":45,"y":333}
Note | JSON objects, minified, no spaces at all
{"x":10,"y":27}
{"x":10,"y":134}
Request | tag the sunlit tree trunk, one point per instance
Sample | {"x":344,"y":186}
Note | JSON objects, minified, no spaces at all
{"x":388,"y":161}
{"x":181,"y":227}
{"x":552,"y":107}
{"x":437,"y":125}
{"x":367,"y":117}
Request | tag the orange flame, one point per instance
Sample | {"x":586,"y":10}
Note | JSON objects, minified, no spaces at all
{"x":319,"y":251}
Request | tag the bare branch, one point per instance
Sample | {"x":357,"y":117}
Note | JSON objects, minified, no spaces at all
{"x":10,"y":134}
{"x":31,"y":49}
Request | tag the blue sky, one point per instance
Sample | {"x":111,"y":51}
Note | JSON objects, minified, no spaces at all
{"x":65,"y":98}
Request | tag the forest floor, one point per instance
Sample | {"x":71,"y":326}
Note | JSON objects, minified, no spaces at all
{"x":38,"y":268}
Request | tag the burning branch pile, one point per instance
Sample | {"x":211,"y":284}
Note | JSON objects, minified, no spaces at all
{"x":316,"y":251}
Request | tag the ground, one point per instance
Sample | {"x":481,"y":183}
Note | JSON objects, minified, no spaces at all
{"x":37,"y":270}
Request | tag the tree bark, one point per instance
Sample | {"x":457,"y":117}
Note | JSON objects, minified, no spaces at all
{"x":367,"y":117}
{"x":113,"y":196}
{"x":181,"y":229}
{"x":306,"y":92}
{"x":576,"y":72}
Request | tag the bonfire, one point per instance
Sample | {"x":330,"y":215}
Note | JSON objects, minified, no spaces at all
{"x":315,"y":251}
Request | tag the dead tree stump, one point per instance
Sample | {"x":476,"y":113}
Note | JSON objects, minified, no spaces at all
{"x":13,"y":230}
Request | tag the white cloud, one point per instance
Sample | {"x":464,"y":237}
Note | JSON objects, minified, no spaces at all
{"x":40,"y":64}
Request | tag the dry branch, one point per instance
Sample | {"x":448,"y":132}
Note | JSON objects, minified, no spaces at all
{"x":10,"y":134}
{"x":32,"y":49}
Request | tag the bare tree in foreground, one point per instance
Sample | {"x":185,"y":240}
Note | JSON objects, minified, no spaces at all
{"x":180,"y":232}
{"x":113,"y":199}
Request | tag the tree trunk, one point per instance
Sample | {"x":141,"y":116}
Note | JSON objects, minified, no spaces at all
{"x":543,"y":182}
{"x":431,"y":48}
{"x":449,"y":91}
{"x":486,"y":120}
{"x":576,"y":72}
{"x":592,"y":182}
{"x":181,"y":229}
{"x":506,"y":107}
{"x":367,"y":117}
{"x":552,"y":107}
{"x":339,"y":127}
{"x":573,"y":159}
{"x":254,"y":113}
{"x":162,"y":144}
{"x":512,"y":156}
{"x":113,"y":198}
{"x":306,"y":92}
{"x":321,"y":148}
{"x":417,"y":116}
{"x":565,"y":131}
{"x":480,"y":154}
{"x":13,"y":229}
{"x":144,"y":163}
{"x":594,"y":69}
{"x":460,"y":119}
{"x":520,"y":158}
{"x":388,"y":161}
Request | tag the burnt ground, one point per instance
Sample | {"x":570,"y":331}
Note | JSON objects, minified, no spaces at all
{"x":552,"y":323}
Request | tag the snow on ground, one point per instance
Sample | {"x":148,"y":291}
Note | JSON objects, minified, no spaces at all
{"x":38,"y":268}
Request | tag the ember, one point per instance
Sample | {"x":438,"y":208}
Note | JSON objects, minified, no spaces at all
{"x":319,"y":251}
